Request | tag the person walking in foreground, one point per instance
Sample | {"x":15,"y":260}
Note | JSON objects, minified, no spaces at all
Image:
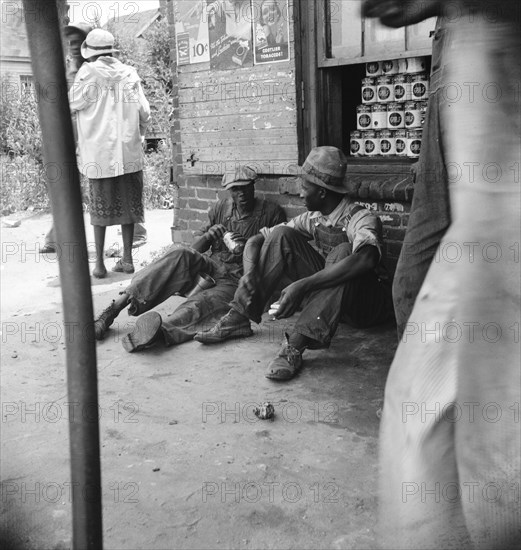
{"x":450,"y":461}
{"x":112,"y":115}
{"x":344,"y":281}
{"x":241,"y":214}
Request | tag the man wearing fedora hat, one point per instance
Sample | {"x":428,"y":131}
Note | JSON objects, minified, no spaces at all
{"x":344,"y":280}
{"x":176,"y":271}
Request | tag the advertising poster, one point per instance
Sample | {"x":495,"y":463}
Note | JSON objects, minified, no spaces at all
{"x":191,"y":28}
{"x":230,"y":33}
{"x":271,"y":30}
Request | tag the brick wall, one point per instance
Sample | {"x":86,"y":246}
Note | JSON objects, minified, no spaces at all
{"x":198,"y":193}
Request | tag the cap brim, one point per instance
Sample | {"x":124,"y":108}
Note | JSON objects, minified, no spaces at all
{"x":87,"y":52}
{"x":238,"y":183}
{"x":313,"y":179}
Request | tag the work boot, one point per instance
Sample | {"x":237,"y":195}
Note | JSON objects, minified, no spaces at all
{"x":231,"y":325}
{"x":145,"y":332}
{"x":286,"y":364}
{"x":104,"y":321}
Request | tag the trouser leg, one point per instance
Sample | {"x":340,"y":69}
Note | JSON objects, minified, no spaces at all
{"x":198,"y":313}
{"x":285,"y":254}
{"x":362,"y":302}
{"x":172,"y":273}
{"x":429,"y":218}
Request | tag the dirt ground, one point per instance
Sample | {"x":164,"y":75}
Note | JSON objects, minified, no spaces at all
{"x":185,"y":462}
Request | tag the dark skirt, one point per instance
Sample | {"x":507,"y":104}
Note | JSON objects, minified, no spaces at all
{"x":118,"y":200}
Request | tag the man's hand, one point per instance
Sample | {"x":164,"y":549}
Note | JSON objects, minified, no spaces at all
{"x":399,"y":13}
{"x":216,"y":232}
{"x":290,"y":299}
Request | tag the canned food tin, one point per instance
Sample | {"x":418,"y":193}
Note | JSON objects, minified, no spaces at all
{"x":423,"y":111}
{"x":402,"y":87}
{"x":356,"y":144}
{"x":384,"y":89}
{"x":379,"y":116}
{"x":391,"y":66}
{"x":373,"y":69}
{"x":414,"y":65}
{"x":400,"y":138}
{"x":368,"y":90}
{"x":419,"y":87}
{"x":387,"y":143}
{"x":363,"y":117}
{"x":414,"y":141}
{"x":370,"y":143}
{"x":233,"y":245}
{"x":412,"y":114}
{"x":395,"y":115}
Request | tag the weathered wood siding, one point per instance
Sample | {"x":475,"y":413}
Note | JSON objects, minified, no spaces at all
{"x":240,"y":115}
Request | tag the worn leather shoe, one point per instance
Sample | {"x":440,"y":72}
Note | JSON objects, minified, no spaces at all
{"x":145,"y":332}
{"x":286,"y":365}
{"x":103,"y":322}
{"x":231,"y":325}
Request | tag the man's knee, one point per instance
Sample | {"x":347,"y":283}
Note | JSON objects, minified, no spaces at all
{"x":281,"y":233}
{"x":341,"y":251}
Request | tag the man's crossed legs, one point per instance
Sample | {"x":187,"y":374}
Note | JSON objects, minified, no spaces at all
{"x":286,"y":256}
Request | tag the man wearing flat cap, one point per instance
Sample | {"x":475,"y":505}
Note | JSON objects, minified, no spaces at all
{"x":241,"y":214}
{"x":343,"y":280}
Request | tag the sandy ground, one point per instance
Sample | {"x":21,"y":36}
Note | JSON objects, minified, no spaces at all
{"x":185,"y":462}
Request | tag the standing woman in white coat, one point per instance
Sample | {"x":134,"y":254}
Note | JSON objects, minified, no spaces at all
{"x":112,"y":115}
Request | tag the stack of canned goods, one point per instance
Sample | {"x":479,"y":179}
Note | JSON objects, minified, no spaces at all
{"x":392,"y":112}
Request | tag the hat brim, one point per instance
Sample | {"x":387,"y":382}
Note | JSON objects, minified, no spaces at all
{"x":341,"y":190}
{"x":238,"y":183}
{"x":69,"y":29}
{"x":87,"y":52}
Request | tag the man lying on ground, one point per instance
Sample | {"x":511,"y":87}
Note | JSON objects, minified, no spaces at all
{"x":344,"y":281}
{"x":176,"y":271}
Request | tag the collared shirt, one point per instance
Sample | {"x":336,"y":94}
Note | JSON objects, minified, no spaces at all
{"x":265,"y":214}
{"x":362,"y":227}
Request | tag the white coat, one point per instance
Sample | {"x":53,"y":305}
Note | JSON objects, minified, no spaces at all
{"x":112,"y":115}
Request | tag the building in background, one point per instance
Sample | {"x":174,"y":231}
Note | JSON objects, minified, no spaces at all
{"x":271,"y":108}
{"x":15,"y":60}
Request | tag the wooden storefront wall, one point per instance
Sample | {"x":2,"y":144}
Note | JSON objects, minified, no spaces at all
{"x":228,"y":117}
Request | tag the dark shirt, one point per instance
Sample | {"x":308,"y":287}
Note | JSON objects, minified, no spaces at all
{"x":265,"y":214}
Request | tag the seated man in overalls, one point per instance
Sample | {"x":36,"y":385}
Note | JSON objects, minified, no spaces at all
{"x":344,"y":280}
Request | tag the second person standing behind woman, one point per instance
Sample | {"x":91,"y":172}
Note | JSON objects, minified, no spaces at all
{"x":112,"y":115}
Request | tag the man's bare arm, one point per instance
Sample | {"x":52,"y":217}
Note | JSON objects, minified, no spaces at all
{"x":399,"y":13}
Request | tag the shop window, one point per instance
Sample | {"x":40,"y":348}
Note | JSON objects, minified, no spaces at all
{"x":372,"y":83}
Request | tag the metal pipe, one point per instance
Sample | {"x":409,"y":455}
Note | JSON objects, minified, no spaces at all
{"x":43,"y":30}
